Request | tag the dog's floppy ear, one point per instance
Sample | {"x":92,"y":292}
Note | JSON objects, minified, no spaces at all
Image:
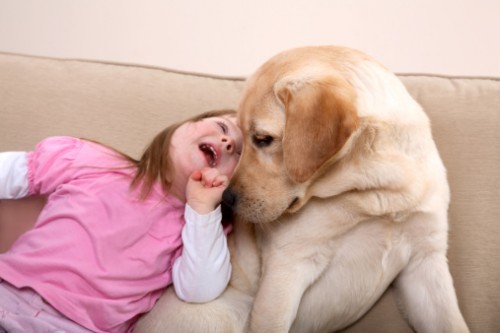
{"x":320,"y":117}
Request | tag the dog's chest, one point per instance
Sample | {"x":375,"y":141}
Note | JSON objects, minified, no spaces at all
{"x":362,"y":265}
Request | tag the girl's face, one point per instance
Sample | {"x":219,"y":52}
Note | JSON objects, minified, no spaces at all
{"x":214,"y":142}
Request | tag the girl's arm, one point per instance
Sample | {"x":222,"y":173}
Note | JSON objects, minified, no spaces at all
{"x":13,"y":175}
{"x":203,"y":270}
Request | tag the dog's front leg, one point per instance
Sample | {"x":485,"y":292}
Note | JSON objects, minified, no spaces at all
{"x":277,"y":302}
{"x":425,"y":286}
{"x":280,"y":291}
{"x":426,"y":291}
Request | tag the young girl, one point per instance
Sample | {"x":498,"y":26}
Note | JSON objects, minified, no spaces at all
{"x":116,"y":231}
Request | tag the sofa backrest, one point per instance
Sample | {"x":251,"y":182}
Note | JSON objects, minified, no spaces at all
{"x":121,"y":105}
{"x":126,"y":105}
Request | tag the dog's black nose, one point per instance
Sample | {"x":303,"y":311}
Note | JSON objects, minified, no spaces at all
{"x":229,"y":197}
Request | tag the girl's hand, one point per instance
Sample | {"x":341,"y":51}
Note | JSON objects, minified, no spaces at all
{"x":204,"y":189}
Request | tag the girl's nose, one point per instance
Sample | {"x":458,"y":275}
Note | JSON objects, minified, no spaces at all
{"x":228,"y":144}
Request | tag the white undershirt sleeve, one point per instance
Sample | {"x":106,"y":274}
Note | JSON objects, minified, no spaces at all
{"x":203,"y":270}
{"x":13,"y":175}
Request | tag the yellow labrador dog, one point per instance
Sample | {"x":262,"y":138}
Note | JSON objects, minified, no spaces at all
{"x":340,"y":192}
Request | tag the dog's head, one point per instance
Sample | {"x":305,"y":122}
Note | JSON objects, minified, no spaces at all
{"x":297,"y":113}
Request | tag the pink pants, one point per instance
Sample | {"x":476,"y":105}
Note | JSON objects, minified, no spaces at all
{"x":24,"y":311}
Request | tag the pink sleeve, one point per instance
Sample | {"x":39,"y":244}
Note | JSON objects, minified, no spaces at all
{"x":51,"y":164}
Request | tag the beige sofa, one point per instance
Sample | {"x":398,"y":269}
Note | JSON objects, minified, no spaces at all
{"x":125,"y":105}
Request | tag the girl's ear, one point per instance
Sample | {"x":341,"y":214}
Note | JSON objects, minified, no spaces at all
{"x":320,"y":117}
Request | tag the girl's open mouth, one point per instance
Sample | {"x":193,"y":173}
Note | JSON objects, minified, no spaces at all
{"x":210,"y":154}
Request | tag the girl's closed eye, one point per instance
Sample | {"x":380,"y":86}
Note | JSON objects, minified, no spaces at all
{"x":223,"y":126}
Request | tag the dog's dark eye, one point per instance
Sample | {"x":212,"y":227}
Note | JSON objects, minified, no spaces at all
{"x":262,"y":140}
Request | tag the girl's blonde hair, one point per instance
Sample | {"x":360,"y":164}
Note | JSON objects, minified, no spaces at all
{"x":155,"y":163}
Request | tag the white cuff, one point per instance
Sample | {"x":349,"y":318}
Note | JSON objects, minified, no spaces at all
{"x":13,"y":175}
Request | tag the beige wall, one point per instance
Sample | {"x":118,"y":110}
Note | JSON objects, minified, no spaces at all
{"x":232,"y":37}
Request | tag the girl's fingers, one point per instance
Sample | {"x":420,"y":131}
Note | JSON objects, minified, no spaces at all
{"x":196,"y":175}
{"x":211,"y":178}
{"x":220,"y":180}
{"x":208,"y":176}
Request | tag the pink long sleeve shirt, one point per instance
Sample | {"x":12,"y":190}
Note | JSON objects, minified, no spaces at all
{"x":97,"y":253}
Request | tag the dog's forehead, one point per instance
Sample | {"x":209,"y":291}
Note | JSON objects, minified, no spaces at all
{"x":265,"y":117}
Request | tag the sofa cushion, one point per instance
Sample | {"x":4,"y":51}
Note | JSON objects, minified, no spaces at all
{"x":125,"y":105}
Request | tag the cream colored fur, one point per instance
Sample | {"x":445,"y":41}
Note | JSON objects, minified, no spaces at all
{"x":340,"y":192}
